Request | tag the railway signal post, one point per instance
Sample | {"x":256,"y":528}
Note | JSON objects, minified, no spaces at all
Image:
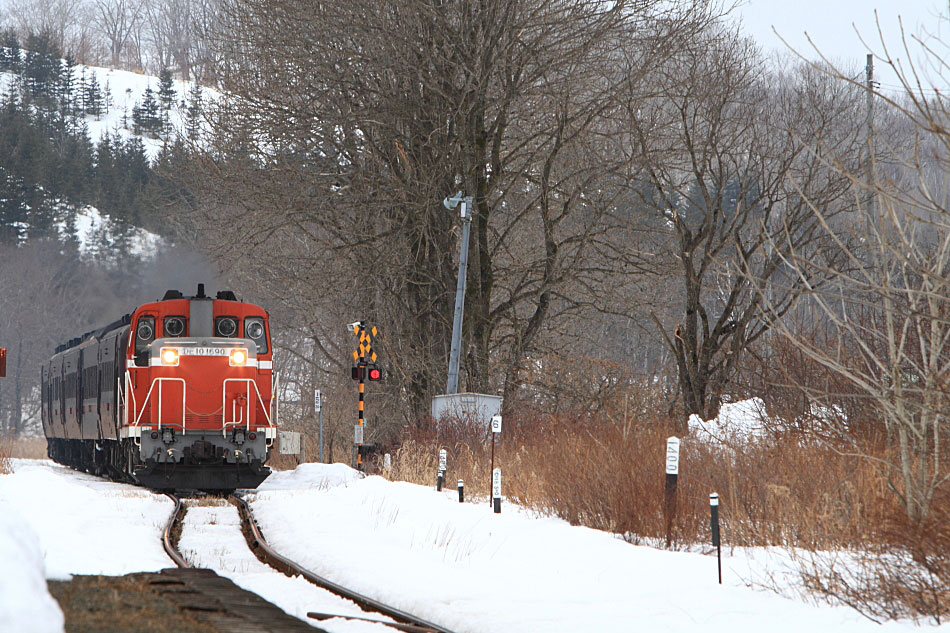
{"x":3,"y":362}
{"x":363,"y":370}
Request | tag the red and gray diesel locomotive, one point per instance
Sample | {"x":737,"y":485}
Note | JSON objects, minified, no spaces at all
{"x":179,"y":394}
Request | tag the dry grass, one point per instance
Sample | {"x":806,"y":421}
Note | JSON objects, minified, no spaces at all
{"x":785,"y":490}
{"x":6,"y":467}
{"x":27,"y":448}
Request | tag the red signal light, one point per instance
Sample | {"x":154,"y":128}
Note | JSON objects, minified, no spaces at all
{"x":375,"y":373}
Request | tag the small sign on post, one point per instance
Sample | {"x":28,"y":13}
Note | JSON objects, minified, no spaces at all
{"x":672,"y":472}
{"x":440,"y":479}
{"x":496,"y":424}
{"x":358,"y":434}
{"x":496,"y":489}
{"x":317,"y":400}
{"x":714,"y":523}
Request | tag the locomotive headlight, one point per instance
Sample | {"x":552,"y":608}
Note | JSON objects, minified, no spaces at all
{"x":169,"y":356}
{"x":237,"y":358}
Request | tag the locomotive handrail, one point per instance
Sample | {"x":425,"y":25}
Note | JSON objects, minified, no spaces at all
{"x":131,"y":392}
{"x":275,"y":396}
{"x":159,"y":380}
{"x":224,"y":401}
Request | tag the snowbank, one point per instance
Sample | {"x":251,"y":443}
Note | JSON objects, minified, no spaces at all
{"x":25,"y":603}
{"x":474,"y":571}
{"x":87,"y":525}
{"x":741,"y":421}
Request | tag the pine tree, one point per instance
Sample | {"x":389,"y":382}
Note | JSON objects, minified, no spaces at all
{"x":107,"y":98}
{"x":66,"y":87}
{"x":10,"y":56}
{"x":193,"y":113}
{"x":93,"y":96}
{"x":149,"y":119}
{"x":166,"y":92}
{"x":42,"y":67}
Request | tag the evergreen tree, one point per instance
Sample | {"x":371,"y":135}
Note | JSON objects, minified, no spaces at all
{"x":93,"y":96}
{"x":66,"y":87}
{"x":166,"y":98}
{"x":83,"y":86}
{"x":42,"y":68}
{"x":106,"y":98}
{"x":9,"y":51}
{"x":145,"y":117}
{"x":193,"y":112}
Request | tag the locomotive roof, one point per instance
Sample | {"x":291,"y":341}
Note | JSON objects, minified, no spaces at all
{"x":224,"y":295}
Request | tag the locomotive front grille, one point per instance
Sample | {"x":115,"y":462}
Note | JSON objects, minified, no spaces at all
{"x":204,"y":420}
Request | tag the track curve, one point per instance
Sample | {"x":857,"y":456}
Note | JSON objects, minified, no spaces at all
{"x":168,"y":539}
{"x":257,"y":543}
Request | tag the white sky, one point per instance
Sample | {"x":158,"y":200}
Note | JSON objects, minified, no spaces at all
{"x":831,"y":25}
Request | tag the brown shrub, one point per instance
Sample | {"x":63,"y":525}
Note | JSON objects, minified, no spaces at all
{"x":6,"y":466}
{"x":786,"y":489}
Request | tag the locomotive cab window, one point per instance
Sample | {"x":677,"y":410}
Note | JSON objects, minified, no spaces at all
{"x":174,"y":326}
{"x":144,"y":335}
{"x":226,"y":326}
{"x":255,"y":330}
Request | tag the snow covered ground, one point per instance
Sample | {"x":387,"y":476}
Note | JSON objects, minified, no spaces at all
{"x":459,"y":565}
{"x":25,"y":602}
{"x":464,"y":567}
{"x":211,"y":537}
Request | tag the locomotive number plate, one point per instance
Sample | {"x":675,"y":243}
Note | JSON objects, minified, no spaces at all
{"x":204,"y":351}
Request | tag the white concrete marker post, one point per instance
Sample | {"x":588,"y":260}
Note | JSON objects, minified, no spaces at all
{"x":672,"y":472}
{"x":495,"y":430}
{"x":496,"y":489}
{"x":318,"y":407}
{"x":442,"y":462}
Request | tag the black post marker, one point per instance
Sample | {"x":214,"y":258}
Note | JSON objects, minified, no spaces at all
{"x":496,"y":489}
{"x":439,"y":480}
{"x":714,"y":521}
{"x":461,"y":491}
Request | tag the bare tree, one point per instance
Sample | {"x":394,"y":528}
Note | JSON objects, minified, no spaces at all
{"x":352,"y":120}
{"x":116,"y":21}
{"x":713,"y":155}
{"x":68,"y":23}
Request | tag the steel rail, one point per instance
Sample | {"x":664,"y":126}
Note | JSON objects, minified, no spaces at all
{"x":173,"y":520}
{"x":268,"y":555}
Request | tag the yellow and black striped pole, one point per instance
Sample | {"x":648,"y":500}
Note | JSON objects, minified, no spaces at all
{"x":365,"y":349}
{"x":359,"y":357}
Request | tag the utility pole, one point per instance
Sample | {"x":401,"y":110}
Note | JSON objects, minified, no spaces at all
{"x":466,"y":213}
{"x":869,"y":71}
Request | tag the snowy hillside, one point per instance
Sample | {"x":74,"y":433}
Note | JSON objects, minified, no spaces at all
{"x":122,"y":91}
{"x":125,"y":90}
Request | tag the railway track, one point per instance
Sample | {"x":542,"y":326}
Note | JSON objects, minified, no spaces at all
{"x":258,"y":545}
